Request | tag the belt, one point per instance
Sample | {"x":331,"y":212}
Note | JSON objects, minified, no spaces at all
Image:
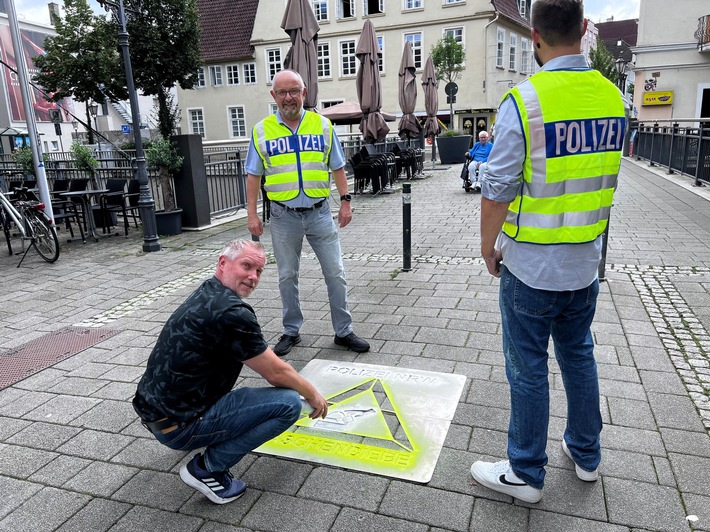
{"x":163,"y":425}
{"x":300,"y":209}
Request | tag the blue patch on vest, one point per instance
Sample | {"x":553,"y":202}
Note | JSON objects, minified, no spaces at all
{"x":576,"y":137}
{"x":295,"y":144}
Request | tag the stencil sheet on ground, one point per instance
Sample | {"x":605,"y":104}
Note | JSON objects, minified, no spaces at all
{"x":383,"y":420}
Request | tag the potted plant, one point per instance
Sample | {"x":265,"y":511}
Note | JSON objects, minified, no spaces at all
{"x":453,"y":145}
{"x":84,"y":161}
{"x":163,"y":155}
{"x":23,"y":159}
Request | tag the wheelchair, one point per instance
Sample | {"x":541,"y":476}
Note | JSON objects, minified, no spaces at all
{"x":468,"y":186}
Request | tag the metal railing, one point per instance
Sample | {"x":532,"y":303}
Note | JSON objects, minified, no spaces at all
{"x":226,"y":182}
{"x":681,"y":145}
{"x":702,"y":34}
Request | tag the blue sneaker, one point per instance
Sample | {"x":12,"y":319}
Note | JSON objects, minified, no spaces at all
{"x":218,"y":486}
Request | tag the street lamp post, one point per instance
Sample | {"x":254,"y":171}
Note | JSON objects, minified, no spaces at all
{"x":146,"y":205}
{"x":94,"y":111}
{"x":75,"y":125}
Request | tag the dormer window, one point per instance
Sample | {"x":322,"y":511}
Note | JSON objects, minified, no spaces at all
{"x":524,"y":8}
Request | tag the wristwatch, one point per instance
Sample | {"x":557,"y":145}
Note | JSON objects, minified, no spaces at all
{"x":346,"y":197}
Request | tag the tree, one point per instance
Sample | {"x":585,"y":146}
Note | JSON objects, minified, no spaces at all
{"x":164,"y":44}
{"x":601,"y":59}
{"x":81,"y":59}
{"x":448,"y":56}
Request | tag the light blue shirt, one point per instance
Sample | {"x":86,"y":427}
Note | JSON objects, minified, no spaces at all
{"x":557,"y":267}
{"x":255,"y":166}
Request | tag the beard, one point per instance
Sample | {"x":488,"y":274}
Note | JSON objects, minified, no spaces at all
{"x":291,"y":112}
{"x":537,"y":58}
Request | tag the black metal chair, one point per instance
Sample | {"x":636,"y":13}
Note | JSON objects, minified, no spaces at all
{"x":120,"y":199}
{"x":66,"y":210}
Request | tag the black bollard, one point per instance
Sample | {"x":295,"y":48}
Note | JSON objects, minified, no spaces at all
{"x":407,"y":225}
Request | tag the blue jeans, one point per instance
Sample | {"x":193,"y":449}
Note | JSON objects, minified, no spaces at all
{"x":238,"y":423}
{"x":529,"y":318}
{"x":288,"y":228}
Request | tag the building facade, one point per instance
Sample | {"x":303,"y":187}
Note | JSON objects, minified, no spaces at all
{"x":236,"y":78}
{"x":672,"y":71}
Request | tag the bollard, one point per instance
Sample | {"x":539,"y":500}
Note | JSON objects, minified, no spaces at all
{"x":407,"y":225}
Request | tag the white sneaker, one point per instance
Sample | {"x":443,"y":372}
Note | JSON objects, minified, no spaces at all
{"x":500,"y":477}
{"x":582,"y":474}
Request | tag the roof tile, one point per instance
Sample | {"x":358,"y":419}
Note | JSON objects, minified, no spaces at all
{"x":226,"y":27}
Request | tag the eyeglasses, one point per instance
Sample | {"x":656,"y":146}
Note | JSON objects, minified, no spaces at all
{"x":291,"y":92}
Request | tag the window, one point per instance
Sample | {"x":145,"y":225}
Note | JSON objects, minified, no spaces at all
{"x":499,"y":47}
{"x":232,"y":74}
{"x":273,"y":63}
{"x":273,"y":108}
{"x":416,"y":40}
{"x":237,"y":121}
{"x":330,"y":103}
{"x":412,"y":4}
{"x":456,"y":33}
{"x":381,"y":59}
{"x":348,"y":61}
{"x":216,"y":76}
{"x":249,"y":73}
{"x":324,"y":60}
{"x":197,"y":122}
{"x":454,"y":1}
{"x":524,"y":56}
{"x":345,"y":9}
{"x":513,"y":51}
{"x":201,"y":77}
{"x":373,"y":7}
{"x":524,"y":8}
{"x":320,"y":8}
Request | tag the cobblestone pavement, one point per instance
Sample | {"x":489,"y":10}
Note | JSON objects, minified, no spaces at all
{"x":74,"y":458}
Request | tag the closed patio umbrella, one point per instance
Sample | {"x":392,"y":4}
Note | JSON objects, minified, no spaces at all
{"x":301,"y":25}
{"x":408,"y":125}
{"x":348,"y":113}
{"x":369,"y":94}
{"x":431,"y":99}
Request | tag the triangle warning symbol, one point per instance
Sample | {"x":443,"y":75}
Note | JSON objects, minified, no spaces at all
{"x":365,"y":410}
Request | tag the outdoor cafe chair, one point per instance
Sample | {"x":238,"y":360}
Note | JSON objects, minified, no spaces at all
{"x":115,"y":201}
{"x":65,"y":210}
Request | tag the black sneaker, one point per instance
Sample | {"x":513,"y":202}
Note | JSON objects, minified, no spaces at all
{"x":218,"y":486}
{"x":352,"y":342}
{"x":286,"y":343}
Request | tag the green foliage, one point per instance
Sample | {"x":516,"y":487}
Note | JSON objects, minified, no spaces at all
{"x":448,"y":56}
{"x":81,"y":56}
{"x":83,"y":157}
{"x":23,"y":159}
{"x":601,"y":59}
{"x":168,"y":116}
{"x":163,"y":154}
{"x":452,"y":133}
{"x":164,"y":40}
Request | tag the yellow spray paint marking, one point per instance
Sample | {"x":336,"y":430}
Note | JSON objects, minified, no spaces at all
{"x":384,"y":420}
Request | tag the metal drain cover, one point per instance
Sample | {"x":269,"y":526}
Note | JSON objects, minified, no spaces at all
{"x":34,"y":356}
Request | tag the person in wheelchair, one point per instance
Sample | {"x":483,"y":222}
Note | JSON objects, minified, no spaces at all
{"x":478,"y":155}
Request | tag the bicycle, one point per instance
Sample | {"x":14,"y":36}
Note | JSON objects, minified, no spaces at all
{"x":21,"y":208}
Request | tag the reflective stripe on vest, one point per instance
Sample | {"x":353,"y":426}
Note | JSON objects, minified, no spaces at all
{"x":573,"y":125}
{"x":295,"y":160}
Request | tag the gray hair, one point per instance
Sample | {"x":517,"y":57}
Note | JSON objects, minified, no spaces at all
{"x":234,"y":249}
{"x":300,"y":78}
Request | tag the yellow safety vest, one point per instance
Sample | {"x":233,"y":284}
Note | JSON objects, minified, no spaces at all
{"x":294,"y":161}
{"x":573,"y":124}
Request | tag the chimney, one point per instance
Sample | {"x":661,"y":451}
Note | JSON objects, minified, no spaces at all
{"x":54,"y":13}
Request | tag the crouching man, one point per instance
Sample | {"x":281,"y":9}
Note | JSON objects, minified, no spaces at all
{"x":185,"y":397}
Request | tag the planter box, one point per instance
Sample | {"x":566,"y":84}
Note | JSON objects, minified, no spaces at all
{"x":453,"y":150}
{"x":169,"y":222}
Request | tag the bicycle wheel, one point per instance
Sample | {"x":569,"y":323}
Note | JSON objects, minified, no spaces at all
{"x":44,"y":237}
{"x":6,"y":229}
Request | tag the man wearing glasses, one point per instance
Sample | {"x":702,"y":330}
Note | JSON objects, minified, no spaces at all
{"x":296,"y":150}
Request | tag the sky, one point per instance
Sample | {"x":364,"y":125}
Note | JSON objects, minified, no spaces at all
{"x":596,"y":10}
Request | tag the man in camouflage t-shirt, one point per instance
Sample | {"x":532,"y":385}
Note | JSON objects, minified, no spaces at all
{"x":185,"y":396}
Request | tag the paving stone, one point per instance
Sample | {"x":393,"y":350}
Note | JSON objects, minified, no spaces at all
{"x":45,"y":511}
{"x":692,"y":472}
{"x":21,"y":462}
{"x":699,"y":506}
{"x":684,"y":441}
{"x":344,"y":488}
{"x":142,"y":518}
{"x":551,"y":522}
{"x":95,"y":445}
{"x":97,"y":516}
{"x":350,"y":520}
{"x":427,"y":505}
{"x":59,"y":470}
{"x":15,"y":492}
{"x":627,"y":504}
{"x":165,"y":491}
{"x":148,"y":453}
{"x":107,"y":415}
{"x":227,"y":514}
{"x":623,"y":438}
{"x":10,"y":426}
{"x":280,"y":512}
{"x":275,"y":474}
{"x":498,"y":516}
{"x":674,"y":411}
{"x":61,"y":409}
{"x":101,"y":479}
{"x":20,"y":406}
{"x":46,"y":436}
{"x":631,"y":413}
{"x":662,"y":381}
